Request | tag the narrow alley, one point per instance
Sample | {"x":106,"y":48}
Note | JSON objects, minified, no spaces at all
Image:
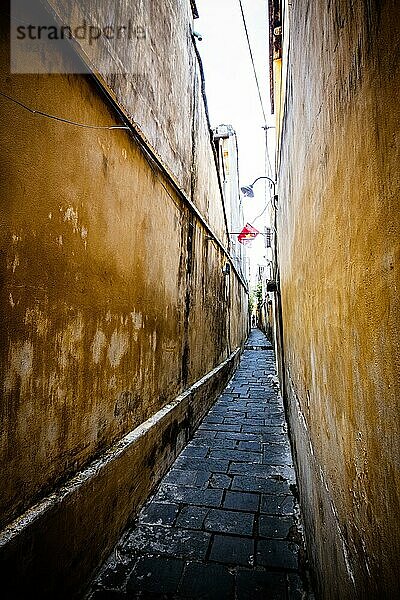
{"x":175,"y":175}
{"x":224,"y":522}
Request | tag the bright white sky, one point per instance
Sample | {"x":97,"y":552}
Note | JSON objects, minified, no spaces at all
{"x":232,"y":93}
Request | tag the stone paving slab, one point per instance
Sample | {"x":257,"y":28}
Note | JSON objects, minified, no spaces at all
{"x":260,"y":585}
{"x":224,"y":522}
{"x":250,"y":483}
{"x":152,"y":574}
{"x":192,"y":517}
{"x":242,"y":501}
{"x":229,"y":521}
{"x":174,"y":542}
{"x":212,"y":581}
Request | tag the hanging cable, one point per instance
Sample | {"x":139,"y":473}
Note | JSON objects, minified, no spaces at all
{"x":252,"y":61}
{"x":55,"y":118}
{"x":150,"y":158}
{"x":263,"y":210}
{"x":268,"y":164}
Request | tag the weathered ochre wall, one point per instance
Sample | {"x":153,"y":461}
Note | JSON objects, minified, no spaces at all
{"x":338,"y":228}
{"x":113,"y":299}
{"x":156,"y":81}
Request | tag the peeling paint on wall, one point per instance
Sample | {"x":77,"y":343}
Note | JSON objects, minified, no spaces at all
{"x":118,"y":347}
{"x":37,"y":320}
{"x":98,"y":345}
{"x":20,"y":365}
{"x":69,"y":346}
{"x":137,"y":320}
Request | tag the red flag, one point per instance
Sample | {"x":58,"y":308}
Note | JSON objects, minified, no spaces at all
{"x":247,"y":234}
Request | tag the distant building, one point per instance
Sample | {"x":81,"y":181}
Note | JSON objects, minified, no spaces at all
{"x":227,"y":154}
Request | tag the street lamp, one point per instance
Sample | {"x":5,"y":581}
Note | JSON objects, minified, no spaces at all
{"x":247,"y":190}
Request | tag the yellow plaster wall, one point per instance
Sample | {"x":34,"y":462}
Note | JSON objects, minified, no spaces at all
{"x":338,"y":223}
{"x":102,"y":321}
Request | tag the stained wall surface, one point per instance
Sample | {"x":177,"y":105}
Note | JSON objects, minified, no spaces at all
{"x":113,"y":299}
{"x":338,"y":246}
{"x":167,"y":115}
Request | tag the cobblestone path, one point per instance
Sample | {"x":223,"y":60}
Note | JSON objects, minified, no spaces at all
{"x":224,"y":522}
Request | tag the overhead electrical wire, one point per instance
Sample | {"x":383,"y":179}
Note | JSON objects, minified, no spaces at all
{"x":263,"y":211}
{"x":150,"y":158}
{"x":62,"y":120}
{"x":252,"y":61}
{"x":268,"y":160}
{"x":268,"y":165}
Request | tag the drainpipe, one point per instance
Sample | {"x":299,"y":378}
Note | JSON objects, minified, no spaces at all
{"x":274,"y":286}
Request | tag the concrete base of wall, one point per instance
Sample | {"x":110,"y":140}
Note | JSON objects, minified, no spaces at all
{"x":53,"y":549}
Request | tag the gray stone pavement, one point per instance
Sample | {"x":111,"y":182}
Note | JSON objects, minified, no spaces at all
{"x":224,"y":522}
